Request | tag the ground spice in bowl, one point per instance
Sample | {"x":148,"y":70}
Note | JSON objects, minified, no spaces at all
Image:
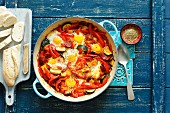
{"x":131,"y":33}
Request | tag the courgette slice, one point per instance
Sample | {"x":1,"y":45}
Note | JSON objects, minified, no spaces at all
{"x":44,"y":43}
{"x":55,"y":71}
{"x":65,"y":26}
{"x":61,"y":49}
{"x":107,"y":50}
{"x":90,"y":91}
{"x":82,"y":47}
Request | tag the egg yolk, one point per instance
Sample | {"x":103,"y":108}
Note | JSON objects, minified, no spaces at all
{"x":71,"y":58}
{"x":96,"y":48}
{"x":70,"y":82}
{"x":52,"y":61}
{"x":67,"y":72}
{"x":44,"y":66}
{"x":57,"y":40}
{"x":78,"y":38}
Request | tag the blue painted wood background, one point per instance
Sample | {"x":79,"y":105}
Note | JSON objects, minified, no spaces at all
{"x":151,"y":64}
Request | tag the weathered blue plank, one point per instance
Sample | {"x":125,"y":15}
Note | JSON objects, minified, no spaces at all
{"x":11,"y":3}
{"x":2,"y":2}
{"x":142,"y":70}
{"x":93,"y":8}
{"x":167,"y":8}
{"x":2,"y":99}
{"x":167,"y":101}
{"x":167,"y":34}
{"x":111,"y":101}
{"x":158,"y":57}
{"x":167,"y":70}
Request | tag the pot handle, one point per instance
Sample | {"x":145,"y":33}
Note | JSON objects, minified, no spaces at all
{"x":114,"y":27}
{"x":37,"y":92}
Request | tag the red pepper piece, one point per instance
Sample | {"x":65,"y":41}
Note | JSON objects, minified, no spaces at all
{"x":69,"y":65}
{"x":46,"y":47}
{"x":89,"y":37}
{"x":80,"y":50}
{"x":63,"y":37}
{"x":88,"y":58}
{"x":56,"y":53}
{"x":89,"y":49}
{"x":89,"y":41}
{"x":101,"y":41}
{"x":105,"y":38}
{"x":47,"y":54}
{"x":77,"y":93}
{"x":42,"y":58}
{"x":48,"y":66}
{"x":74,"y":94}
{"x":73,"y":45}
{"x":95,"y":28}
{"x":102,"y":33}
{"x":74,"y":25}
{"x":105,"y":64}
{"x":67,"y":34}
{"x":68,"y":43}
{"x":81,"y":60}
{"x":79,"y":66}
{"x":77,"y":31}
{"x":59,"y":28}
{"x":39,"y":64}
{"x":62,"y":87}
{"x":52,"y":79}
{"x":59,"y":81}
{"x":90,"y":28}
{"x":104,"y":82}
{"x":105,"y":57}
{"x":80,"y":94}
{"x":88,"y":85}
{"x":41,"y":72}
{"x":47,"y":73}
{"x":110,"y":47}
{"x":90,"y":55}
{"x":53,"y":52}
{"x":78,"y":75}
{"x":84,"y":31}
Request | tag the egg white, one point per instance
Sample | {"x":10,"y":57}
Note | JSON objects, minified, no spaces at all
{"x":69,"y":52}
{"x":52,"y":35}
{"x":60,"y":64}
{"x":95,"y":70}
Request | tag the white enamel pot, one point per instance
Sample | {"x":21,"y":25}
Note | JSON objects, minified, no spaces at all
{"x":46,"y":86}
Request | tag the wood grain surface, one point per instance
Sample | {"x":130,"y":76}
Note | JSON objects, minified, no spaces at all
{"x":149,"y":52}
{"x":1,"y":2}
{"x":2,"y":99}
{"x":158,"y":56}
{"x":111,"y":101}
{"x":167,"y":53}
{"x":93,"y":8}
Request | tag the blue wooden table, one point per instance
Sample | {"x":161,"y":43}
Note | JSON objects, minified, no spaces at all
{"x":151,"y":66}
